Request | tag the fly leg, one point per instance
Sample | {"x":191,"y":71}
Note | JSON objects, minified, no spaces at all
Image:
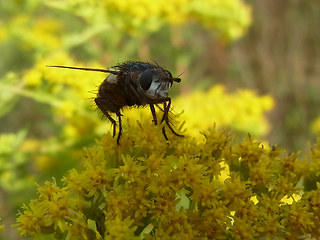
{"x":164,"y":133}
{"x":153,"y":111}
{"x":120,"y":129}
{"x":166,"y":109}
{"x":101,"y":104}
{"x":165,"y":118}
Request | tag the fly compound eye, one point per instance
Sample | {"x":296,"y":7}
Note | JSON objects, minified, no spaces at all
{"x":146,"y":79}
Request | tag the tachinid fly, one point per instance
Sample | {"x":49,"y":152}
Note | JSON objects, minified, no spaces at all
{"x":134,"y":83}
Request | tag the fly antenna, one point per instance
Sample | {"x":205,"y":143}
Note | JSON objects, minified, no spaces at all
{"x":87,"y":69}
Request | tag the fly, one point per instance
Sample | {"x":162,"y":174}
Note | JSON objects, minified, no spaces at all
{"x":134,"y":83}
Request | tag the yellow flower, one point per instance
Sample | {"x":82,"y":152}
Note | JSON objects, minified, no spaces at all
{"x":213,"y":221}
{"x":250,"y":153}
{"x":242,"y":111}
{"x":236,"y":192}
{"x":131,"y":169}
{"x":30,"y":221}
{"x":33,"y":78}
{"x":120,"y":229}
{"x":242,"y":229}
{"x":48,"y":190}
{"x":298,"y":219}
{"x":206,"y":194}
{"x":118,"y":203}
{"x":230,"y":18}
{"x":190,"y":172}
{"x":90,"y":182}
{"x":42,"y":33}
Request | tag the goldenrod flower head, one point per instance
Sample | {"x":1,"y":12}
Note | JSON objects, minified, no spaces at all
{"x":120,"y":229}
{"x":242,"y":110}
{"x":148,"y":188}
{"x":31,"y":219}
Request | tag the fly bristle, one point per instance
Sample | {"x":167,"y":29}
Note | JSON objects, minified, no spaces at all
{"x":94,"y":91}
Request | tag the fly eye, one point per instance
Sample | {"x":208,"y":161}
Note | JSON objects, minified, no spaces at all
{"x":146,"y":79}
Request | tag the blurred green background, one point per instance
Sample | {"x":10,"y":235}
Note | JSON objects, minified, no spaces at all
{"x":270,"y":48}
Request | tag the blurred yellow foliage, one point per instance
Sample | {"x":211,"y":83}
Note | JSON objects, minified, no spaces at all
{"x":1,"y":226}
{"x":242,"y":110}
{"x":315,"y":126}
{"x":41,"y":34}
{"x":231,"y":17}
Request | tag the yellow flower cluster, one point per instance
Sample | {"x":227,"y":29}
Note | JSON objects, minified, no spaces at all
{"x":230,"y":17}
{"x":147,"y":188}
{"x":58,"y":80}
{"x":243,"y":110}
{"x":41,"y":34}
{"x":66,"y":90}
{"x":148,"y":15}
